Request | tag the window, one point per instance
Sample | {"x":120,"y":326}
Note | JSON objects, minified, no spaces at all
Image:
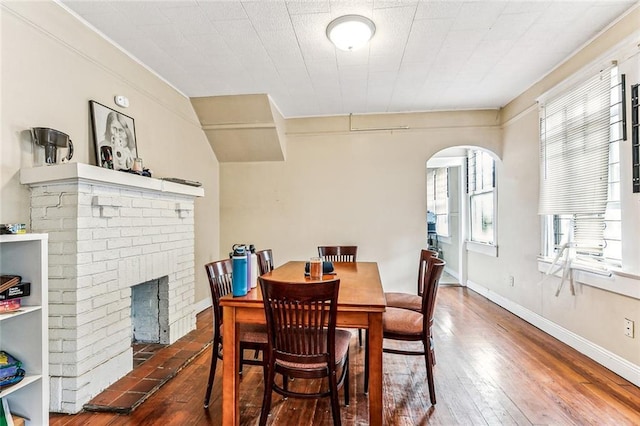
{"x":438,"y":198}
{"x":580,"y":133}
{"x":481,"y":183}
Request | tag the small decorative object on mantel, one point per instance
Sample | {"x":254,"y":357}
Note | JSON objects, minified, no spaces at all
{"x":114,"y":136}
{"x":138,"y":169}
{"x":46,"y":143}
{"x":137,"y":165}
{"x":182,"y":181}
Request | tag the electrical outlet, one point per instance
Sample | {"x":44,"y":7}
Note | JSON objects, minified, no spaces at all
{"x":628,"y":327}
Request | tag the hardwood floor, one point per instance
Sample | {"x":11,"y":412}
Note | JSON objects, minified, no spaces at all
{"x":492,"y":368}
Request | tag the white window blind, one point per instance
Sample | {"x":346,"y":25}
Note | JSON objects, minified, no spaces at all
{"x":574,"y":149}
{"x":575,"y":146}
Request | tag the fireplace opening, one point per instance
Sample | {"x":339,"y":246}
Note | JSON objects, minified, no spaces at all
{"x":150,"y":312}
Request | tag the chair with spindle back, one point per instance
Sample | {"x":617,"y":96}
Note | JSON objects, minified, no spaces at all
{"x":340,"y":254}
{"x":303,"y":340}
{"x":410,"y":326}
{"x":252,"y":336}
{"x":408,"y":300}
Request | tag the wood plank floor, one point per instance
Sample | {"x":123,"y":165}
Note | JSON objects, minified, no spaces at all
{"x":492,"y":369}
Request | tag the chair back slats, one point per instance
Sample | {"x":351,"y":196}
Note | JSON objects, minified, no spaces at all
{"x":265,"y":261}
{"x":430,"y":293}
{"x":338,"y":253}
{"x":220,"y":283}
{"x":427,"y":259}
{"x":301,"y":319}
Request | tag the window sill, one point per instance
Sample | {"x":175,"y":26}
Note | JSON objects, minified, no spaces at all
{"x":618,"y":281}
{"x":482,"y":248}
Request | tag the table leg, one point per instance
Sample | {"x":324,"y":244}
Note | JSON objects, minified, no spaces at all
{"x":375,"y":369}
{"x":230,"y":379}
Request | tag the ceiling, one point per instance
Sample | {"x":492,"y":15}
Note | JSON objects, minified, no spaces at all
{"x":424,"y":56}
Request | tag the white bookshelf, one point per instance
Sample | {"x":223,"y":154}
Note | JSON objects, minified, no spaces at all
{"x":24,"y":334}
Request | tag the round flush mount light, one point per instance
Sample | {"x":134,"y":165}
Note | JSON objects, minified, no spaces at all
{"x":350,"y":32}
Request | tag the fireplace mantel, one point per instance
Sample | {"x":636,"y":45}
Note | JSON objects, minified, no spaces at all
{"x":80,"y":172}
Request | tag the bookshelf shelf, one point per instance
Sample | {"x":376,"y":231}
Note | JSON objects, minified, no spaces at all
{"x":24,"y":310}
{"x":24,"y":334}
{"x":28,"y":379}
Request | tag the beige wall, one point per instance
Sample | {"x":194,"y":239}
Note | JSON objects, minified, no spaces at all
{"x":341,"y":187}
{"x":593,"y":314}
{"x":52,"y":65}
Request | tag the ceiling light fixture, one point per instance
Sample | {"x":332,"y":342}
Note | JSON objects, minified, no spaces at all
{"x":350,"y":32}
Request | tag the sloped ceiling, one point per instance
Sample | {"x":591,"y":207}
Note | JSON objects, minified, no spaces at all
{"x":242,"y":128}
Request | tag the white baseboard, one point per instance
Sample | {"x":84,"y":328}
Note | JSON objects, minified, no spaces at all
{"x":608,"y":359}
{"x":202,"y":305}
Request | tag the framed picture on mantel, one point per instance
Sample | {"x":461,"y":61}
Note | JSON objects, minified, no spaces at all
{"x":114,"y":136}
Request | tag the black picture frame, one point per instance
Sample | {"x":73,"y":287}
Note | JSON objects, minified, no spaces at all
{"x":114,"y":136}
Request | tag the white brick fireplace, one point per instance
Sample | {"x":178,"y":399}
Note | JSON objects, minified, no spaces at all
{"x":108,"y":231}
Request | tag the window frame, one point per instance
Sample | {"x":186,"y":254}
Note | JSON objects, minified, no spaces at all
{"x":481,"y":246}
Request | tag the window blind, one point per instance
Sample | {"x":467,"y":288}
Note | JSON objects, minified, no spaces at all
{"x":574,"y":149}
{"x":575,"y":146}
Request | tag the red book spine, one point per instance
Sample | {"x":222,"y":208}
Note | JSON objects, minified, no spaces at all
{"x":9,"y":305}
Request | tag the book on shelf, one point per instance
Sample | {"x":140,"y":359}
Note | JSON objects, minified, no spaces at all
{"x":19,"y":290}
{"x":10,"y":305}
{"x":9,"y":365}
{"x":8,"y":281}
{"x":10,"y":370}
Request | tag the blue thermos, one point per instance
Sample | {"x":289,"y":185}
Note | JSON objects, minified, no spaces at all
{"x":239,"y":274}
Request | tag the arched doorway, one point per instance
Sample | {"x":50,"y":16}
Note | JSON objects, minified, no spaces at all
{"x":461,"y":211}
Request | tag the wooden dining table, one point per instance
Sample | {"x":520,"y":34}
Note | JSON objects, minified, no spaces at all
{"x":361,"y":303}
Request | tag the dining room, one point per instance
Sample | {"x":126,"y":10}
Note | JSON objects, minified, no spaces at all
{"x":287,"y":180}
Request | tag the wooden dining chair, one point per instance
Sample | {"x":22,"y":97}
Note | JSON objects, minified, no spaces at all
{"x":410,"y":326}
{"x":303,"y":341}
{"x":251,"y":336}
{"x":265,"y":261}
{"x":338,"y":253}
{"x":408,"y":300}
